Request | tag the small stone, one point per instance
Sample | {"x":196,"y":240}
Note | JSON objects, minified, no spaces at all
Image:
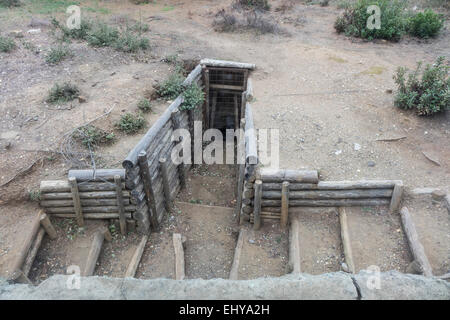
{"x":16,"y":34}
{"x":389,"y":91}
{"x":371,"y":163}
{"x":357,"y":146}
{"x":337,"y":152}
{"x":344,"y":267}
{"x":34,"y":31}
{"x":81,"y":99}
{"x":438,"y":194}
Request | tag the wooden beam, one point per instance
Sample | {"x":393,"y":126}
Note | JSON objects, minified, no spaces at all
{"x":48,"y":226}
{"x":414,"y":243}
{"x":135,"y":260}
{"x":33,"y":252}
{"x":179,"y":257}
{"x":345,"y":237}
{"x":330,"y":194}
{"x":177,"y":125}
{"x":148,"y":188}
{"x":294,"y":245}
{"x":94,"y":253}
{"x":226,"y":87}
{"x":76,"y":201}
{"x":257,"y":205}
{"x":213,"y":109}
{"x":396,"y":197}
{"x":279,"y":175}
{"x":284,"y":204}
{"x":120,"y":206}
{"x":234,"y":273}
{"x":96,"y":175}
{"x":165,"y":181}
{"x":227,"y":64}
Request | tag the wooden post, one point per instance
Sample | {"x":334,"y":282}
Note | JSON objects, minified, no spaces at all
{"x":206,"y":82}
{"x":234,"y":273}
{"x":148,"y":188}
{"x":213,"y":109}
{"x":76,"y":201}
{"x":33,"y":252}
{"x":294,"y":245}
{"x":179,"y":257}
{"x":134,"y":263}
{"x":346,"y":240}
{"x":415,"y":246}
{"x":396,"y":197}
{"x":165,"y":181}
{"x":240,"y":157}
{"x":122,"y":219}
{"x":243,"y":104}
{"x":257,"y":205}
{"x":94,"y":253}
{"x":48,"y":226}
{"x":236,"y":112}
{"x":177,"y":125}
{"x":284,"y":204}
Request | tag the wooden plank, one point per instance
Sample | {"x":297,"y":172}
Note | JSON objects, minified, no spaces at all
{"x":396,"y":197}
{"x":94,"y":253}
{"x":76,"y":201}
{"x":48,"y":186}
{"x":109,"y":209}
{"x":48,"y":226}
{"x":257,"y":204}
{"x":346,"y":243}
{"x":284,"y":204}
{"x":179,"y":257}
{"x":414,"y":243}
{"x":207,"y":111}
{"x":166,"y":183}
{"x":226,"y":87}
{"x":331,"y":194}
{"x":135,"y":260}
{"x":213,"y":109}
{"x":334,"y":185}
{"x":193,"y":75}
{"x":84,"y":202}
{"x":249,"y":90}
{"x":227,"y":64}
{"x":145,"y":175}
{"x":93,"y":216}
{"x":177,"y":125}
{"x":96,"y":175}
{"x":240,"y":176}
{"x":33,"y":252}
{"x":251,"y":149}
{"x":120,"y":206}
{"x":234,"y":273}
{"x":280,"y":175}
{"x":294,"y":245}
{"x":328,"y":203}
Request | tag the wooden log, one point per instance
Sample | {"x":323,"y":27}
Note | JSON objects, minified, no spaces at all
{"x":84,"y":195}
{"x":284,"y":204}
{"x":179,"y":257}
{"x":109,"y":209}
{"x":396,"y":197}
{"x":33,"y":252}
{"x":132,"y":157}
{"x":193,"y":75}
{"x":414,"y":243}
{"x":240,"y":178}
{"x":94,"y":253}
{"x":249,"y":90}
{"x":96,"y":175}
{"x":227,"y":64}
{"x":236,"y":113}
{"x":251,"y":149}
{"x":84,"y":202}
{"x":177,"y":125}
{"x":166,"y":183}
{"x":247,"y":208}
{"x":226,"y":87}
{"x":48,"y":186}
{"x":93,"y":216}
{"x":294,"y":245}
{"x":234,"y":273}
{"x":145,"y":175}
{"x":328,"y":203}
{"x":331,"y":194}
{"x":76,"y":201}
{"x":346,"y":243}
{"x":120,"y":206}
{"x":257,"y":207}
{"x":107,"y":234}
{"x":248,"y":193}
{"x":333,"y":185}
{"x":48,"y":226}
{"x":279,"y":175}
{"x":136,"y":259}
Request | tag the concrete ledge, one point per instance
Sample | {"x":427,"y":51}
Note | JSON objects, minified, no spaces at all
{"x":338,"y":285}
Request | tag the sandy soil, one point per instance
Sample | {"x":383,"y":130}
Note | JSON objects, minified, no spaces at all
{"x":325,"y":92}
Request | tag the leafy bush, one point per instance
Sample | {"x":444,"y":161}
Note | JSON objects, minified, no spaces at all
{"x":226,"y":21}
{"x":130,"y":123}
{"x":429,"y":94}
{"x":91,"y":136}
{"x":353,"y":22}
{"x":172,"y":86}
{"x":193,"y":96}
{"x":128,"y":42}
{"x":140,"y":27}
{"x":63,"y":93}
{"x":426,"y":24}
{"x":6,"y":44}
{"x":10,"y":3}
{"x":103,"y":35}
{"x":253,"y":4}
{"x":144,"y":105}
{"x":57,"y":54}
{"x":77,"y":34}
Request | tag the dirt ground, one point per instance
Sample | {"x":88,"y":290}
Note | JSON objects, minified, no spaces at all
{"x":325,"y":93}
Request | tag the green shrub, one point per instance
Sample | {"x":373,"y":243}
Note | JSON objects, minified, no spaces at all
{"x":144,"y":105}
{"x":131,"y":123}
{"x":353,"y":22}
{"x":140,"y":27}
{"x":426,"y":24}
{"x":172,"y":86}
{"x":103,"y":35}
{"x":56,"y":55}
{"x":427,"y":94}
{"x":193,"y":97}
{"x":34,"y":195}
{"x":128,"y":42}
{"x":77,"y":34}
{"x":10,"y":3}
{"x":253,"y":4}
{"x":62,"y":93}
{"x":91,"y":136}
{"x":6,"y":44}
